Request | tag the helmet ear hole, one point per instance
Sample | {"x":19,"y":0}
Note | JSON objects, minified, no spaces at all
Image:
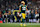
{"x":24,"y":2}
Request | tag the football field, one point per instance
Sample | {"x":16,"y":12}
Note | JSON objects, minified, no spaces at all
{"x":18,"y":25}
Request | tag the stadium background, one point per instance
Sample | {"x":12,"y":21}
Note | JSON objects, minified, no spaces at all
{"x":10,"y":8}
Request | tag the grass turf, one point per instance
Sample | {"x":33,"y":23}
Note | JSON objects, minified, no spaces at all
{"x":18,"y":25}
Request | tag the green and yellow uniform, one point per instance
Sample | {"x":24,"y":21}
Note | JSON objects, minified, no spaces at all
{"x":23,"y":9}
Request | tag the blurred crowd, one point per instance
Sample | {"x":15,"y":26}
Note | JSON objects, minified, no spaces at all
{"x":8,"y":7}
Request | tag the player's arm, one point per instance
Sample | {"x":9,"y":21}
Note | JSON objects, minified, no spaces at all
{"x":26,"y":8}
{"x":19,"y":8}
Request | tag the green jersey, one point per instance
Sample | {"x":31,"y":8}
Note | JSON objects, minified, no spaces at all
{"x":23,"y":8}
